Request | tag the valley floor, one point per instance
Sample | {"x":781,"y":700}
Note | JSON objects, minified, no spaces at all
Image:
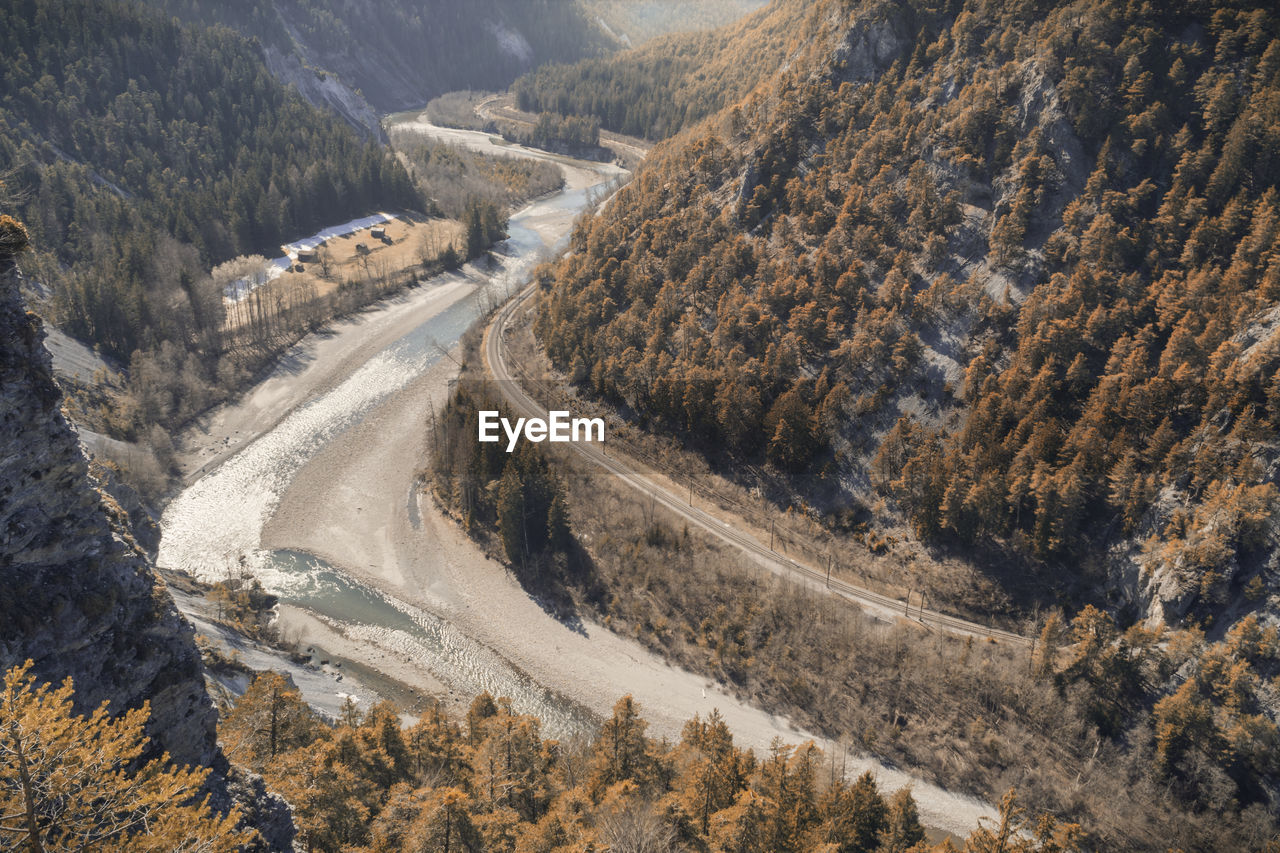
{"x":354,"y":503}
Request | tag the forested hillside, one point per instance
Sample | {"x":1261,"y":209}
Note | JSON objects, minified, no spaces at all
{"x":400,"y":54}
{"x":1008,"y":273}
{"x":1028,"y":311}
{"x":674,"y":81}
{"x":142,"y":152}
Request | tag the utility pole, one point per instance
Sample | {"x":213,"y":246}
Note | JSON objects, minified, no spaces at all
{"x":771,"y":534}
{"x":829,"y":559}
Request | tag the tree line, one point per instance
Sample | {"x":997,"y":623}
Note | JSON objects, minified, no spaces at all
{"x":488,"y":783}
{"x":492,"y":782}
{"x":578,"y":135}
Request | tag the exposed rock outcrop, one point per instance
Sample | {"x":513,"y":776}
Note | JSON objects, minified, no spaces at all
{"x":78,"y":595}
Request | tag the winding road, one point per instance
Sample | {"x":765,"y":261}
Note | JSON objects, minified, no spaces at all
{"x":500,"y":365}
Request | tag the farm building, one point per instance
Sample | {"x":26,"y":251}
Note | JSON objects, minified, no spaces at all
{"x":378,"y":233}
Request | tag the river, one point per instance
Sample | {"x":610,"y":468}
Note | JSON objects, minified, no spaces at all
{"x":214,"y":527}
{"x":309,"y":482}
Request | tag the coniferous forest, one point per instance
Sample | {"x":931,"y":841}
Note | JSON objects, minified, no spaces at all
{"x":667,"y":84}
{"x":143,"y":152}
{"x":982,"y":296}
{"x":1028,"y":310}
{"x":400,"y":54}
{"x":489,"y":783}
{"x":1005,"y":274}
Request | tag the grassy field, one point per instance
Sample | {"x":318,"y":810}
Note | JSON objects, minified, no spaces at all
{"x":410,"y":240}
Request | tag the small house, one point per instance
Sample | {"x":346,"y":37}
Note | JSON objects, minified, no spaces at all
{"x":378,"y":233}
{"x":307,"y":256}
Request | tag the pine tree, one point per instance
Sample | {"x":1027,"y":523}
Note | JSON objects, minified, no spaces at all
{"x":902,"y":829}
{"x":1183,"y":722}
{"x":1013,"y":832}
{"x":482,"y":708}
{"x":509,"y":767}
{"x":744,"y":827}
{"x":269,"y":719}
{"x":621,"y":752}
{"x":71,"y":782}
{"x":854,"y":816}
{"x":332,"y":800}
{"x":559,"y":535}
{"x":437,"y":752}
{"x":714,"y":771}
{"x":512,"y":519}
{"x":444,"y":824}
{"x":790,"y":426}
{"x":1046,"y":653}
{"x":383,"y":750}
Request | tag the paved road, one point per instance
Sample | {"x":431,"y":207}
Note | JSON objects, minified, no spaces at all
{"x":501,"y":367}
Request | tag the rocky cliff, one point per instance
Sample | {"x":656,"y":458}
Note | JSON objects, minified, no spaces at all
{"x":77,"y":592}
{"x":77,"y":595}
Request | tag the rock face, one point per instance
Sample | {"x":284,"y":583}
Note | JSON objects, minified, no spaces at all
{"x":77,"y":592}
{"x":77,"y":595}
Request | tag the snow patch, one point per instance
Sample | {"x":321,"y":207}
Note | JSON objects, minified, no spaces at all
{"x":317,"y":239}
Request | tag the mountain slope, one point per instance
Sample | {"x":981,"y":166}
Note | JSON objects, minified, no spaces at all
{"x":1051,"y":275}
{"x":140,"y":153}
{"x":635,"y":21}
{"x":1010,"y":272}
{"x":400,"y":54}
{"x":675,"y":81}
